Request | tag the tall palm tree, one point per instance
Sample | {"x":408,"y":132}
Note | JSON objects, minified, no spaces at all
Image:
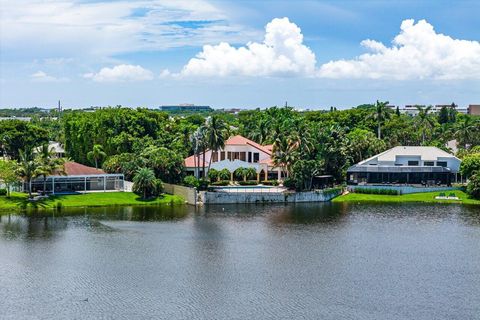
{"x":96,"y":154}
{"x":382,"y":113}
{"x":216,"y":131}
{"x":424,"y":120}
{"x":48,"y":163}
{"x":261,"y":132}
{"x":27,"y":168}
{"x":283,"y":153}
{"x":464,"y":131}
{"x":199,"y":148}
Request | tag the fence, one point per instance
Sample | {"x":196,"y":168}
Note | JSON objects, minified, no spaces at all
{"x":187,"y":193}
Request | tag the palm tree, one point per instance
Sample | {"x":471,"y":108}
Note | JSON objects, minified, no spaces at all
{"x":216,"y":131}
{"x":424,"y":120}
{"x":283,"y":153}
{"x":382,"y":113}
{"x":198,"y":142}
{"x":48,"y":163}
{"x":464,"y":130}
{"x":96,"y":154}
{"x":260,"y":133}
{"x":27,"y":168}
{"x":245,"y":172}
{"x":144,"y":182}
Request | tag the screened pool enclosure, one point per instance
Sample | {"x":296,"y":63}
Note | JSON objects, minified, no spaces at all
{"x":78,"y":183}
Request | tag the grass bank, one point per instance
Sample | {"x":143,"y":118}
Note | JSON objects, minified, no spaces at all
{"x":100,"y":199}
{"x":427,"y":197}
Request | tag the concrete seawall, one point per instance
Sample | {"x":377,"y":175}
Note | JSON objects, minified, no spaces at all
{"x":255,"y":197}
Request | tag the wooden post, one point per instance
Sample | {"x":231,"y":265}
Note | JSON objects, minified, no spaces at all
{"x":266,"y":175}
{"x":258,"y":177}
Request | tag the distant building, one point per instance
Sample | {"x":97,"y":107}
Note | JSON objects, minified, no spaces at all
{"x":406,"y":166}
{"x":54,"y":147}
{"x":16,"y":118}
{"x":474,"y":109}
{"x":186,"y":108}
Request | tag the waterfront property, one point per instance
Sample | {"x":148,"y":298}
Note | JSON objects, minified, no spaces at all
{"x":78,"y":178}
{"x":413,"y":166}
{"x":239,"y":152}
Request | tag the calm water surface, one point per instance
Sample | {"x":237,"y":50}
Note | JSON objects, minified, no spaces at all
{"x":312,"y":261}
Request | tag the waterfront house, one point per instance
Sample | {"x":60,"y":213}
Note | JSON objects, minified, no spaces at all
{"x":412,"y":165}
{"x":239,"y":152}
{"x":77,"y":177}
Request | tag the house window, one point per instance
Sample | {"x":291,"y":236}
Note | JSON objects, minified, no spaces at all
{"x":229,"y":156}
{"x":222,"y":155}
{"x":243,"y":156}
{"x":249,"y":156}
{"x":412,"y":163}
{"x":214,"y":156}
{"x":442,"y":163}
{"x":256,"y":157}
{"x":429,"y":163}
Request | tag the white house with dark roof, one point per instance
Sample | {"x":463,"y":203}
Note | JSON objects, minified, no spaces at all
{"x":239,"y":152}
{"x":414,"y":165}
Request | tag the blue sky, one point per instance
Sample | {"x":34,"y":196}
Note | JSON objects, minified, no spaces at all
{"x":312,"y":54}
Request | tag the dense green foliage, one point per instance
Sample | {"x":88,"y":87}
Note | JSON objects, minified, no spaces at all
{"x":473,"y":187}
{"x":16,"y":135}
{"x":191,"y":181}
{"x":305,"y":144}
{"x":470,"y":164}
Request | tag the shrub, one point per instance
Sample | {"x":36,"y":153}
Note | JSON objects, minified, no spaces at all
{"x":248,"y":183}
{"x":392,"y":192}
{"x":270,"y":183}
{"x":224,"y":174}
{"x":191,"y":181}
{"x":473,"y":187}
{"x":221,"y":183}
{"x":289,"y":183}
{"x":3,"y":192}
{"x":213,"y":174}
{"x":202,"y":184}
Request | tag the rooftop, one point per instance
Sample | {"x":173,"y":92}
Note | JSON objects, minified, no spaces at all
{"x":425,"y":153}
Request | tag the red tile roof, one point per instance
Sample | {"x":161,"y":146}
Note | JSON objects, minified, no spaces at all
{"x":239,"y":140}
{"x":190,"y":162}
{"x":76,"y":169}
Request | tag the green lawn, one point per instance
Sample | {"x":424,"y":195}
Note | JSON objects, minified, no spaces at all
{"x":414,"y":197}
{"x":20,"y":201}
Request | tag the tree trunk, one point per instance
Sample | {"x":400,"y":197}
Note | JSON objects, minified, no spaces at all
{"x":379,"y":131}
{"x":30,"y":188}
{"x":44,"y":185}
{"x":96,"y":163}
{"x":195,"y":170}
{"x":203,"y":164}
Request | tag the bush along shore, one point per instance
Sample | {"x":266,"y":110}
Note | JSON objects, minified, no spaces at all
{"x":426,"y":197}
{"x":20,"y":201}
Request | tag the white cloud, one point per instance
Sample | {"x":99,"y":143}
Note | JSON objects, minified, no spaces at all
{"x":281,"y":53}
{"x":418,"y":52}
{"x":89,"y":29}
{"x":121,"y":73}
{"x":41,"y":76}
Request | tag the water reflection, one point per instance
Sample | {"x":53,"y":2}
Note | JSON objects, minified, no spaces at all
{"x":31,"y":228}
{"x":308,"y":261}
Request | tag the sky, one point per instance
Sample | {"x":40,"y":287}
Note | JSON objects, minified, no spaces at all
{"x":246,"y":54}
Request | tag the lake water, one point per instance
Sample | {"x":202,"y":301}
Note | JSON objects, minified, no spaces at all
{"x":308,"y":261}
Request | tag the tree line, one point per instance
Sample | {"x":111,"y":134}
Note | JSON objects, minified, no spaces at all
{"x":305,"y":144}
